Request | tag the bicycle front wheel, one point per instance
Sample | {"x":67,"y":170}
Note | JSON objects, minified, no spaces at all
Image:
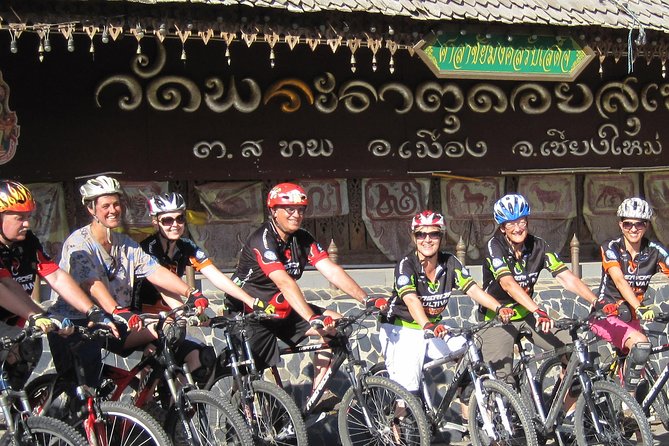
{"x":207,"y":420}
{"x":272,"y":416}
{"x":661,"y":403}
{"x":509,"y":421}
{"x":125,"y":425}
{"x":396,"y":417}
{"x":45,"y":431}
{"x":621,"y":419}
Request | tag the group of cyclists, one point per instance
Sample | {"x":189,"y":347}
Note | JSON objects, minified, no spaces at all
{"x":105,"y":277}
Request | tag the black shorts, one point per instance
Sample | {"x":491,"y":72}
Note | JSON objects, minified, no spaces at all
{"x":263,"y":336}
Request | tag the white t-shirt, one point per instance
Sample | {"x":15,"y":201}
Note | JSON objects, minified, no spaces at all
{"x":86,"y":261}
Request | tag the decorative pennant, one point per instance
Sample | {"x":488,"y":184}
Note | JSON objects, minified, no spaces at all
{"x":66,"y":30}
{"x":333,"y":40}
{"x":205,"y":36}
{"x":115,"y":31}
{"x":292,"y":41}
{"x":313,"y":42}
{"x":249,"y":38}
{"x":353,"y":45}
{"x":228,"y":38}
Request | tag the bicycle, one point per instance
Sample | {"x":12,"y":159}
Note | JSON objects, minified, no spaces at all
{"x":650,"y":394}
{"x":604,"y":414}
{"x":496,"y":414}
{"x":23,"y":428}
{"x":193,"y":417}
{"x":270,"y":413}
{"x":374,"y":410}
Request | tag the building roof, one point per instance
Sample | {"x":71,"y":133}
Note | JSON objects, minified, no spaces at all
{"x":650,"y":14}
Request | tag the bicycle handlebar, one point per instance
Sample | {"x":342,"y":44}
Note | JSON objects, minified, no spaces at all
{"x":7,"y":342}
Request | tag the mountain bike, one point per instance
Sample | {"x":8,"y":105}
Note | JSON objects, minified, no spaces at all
{"x":24,"y":428}
{"x":374,"y":409}
{"x":496,"y":414}
{"x":191,"y":416}
{"x":270,"y":413}
{"x":604,"y":414}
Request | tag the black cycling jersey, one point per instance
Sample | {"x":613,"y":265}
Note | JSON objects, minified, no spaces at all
{"x":186,"y":253}
{"x":410,"y":278}
{"x":265,"y":252}
{"x":23,"y":261}
{"x":500,"y":262}
{"x":651,"y":259}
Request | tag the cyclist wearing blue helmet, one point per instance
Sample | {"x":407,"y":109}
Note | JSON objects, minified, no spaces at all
{"x":514,"y":259}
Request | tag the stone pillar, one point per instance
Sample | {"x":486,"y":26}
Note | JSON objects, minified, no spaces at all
{"x":190,"y":276}
{"x":575,"y":247}
{"x":333,"y":254}
{"x":461,"y":251}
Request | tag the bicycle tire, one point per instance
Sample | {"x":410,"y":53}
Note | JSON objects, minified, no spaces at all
{"x":661,"y":402}
{"x":389,"y":427}
{"x":619,"y":424}
{"x":523,"y":431}
{"x":276,"y":418}
{"x":229,"y":427}
{"x":47,"y":431}
{"x":549,"y":379}
{"x":144,"y":429}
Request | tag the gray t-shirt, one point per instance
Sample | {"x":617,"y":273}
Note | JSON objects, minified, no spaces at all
{"x":86,"y":261}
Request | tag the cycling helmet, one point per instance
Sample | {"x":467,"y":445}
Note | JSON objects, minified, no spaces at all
{"x":428,"y":218}
{"x":15,"y":197}
{"x":510,"y":207}
{"x":287,"y":194}
{"x":635,"y":208}
{"x":172,"y":202}
{"x":99,"y":186}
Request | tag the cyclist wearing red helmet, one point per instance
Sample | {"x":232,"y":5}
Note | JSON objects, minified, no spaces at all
{"x":424,"y":281}
{"x":22,"y":259}
{"x":271,"y":261}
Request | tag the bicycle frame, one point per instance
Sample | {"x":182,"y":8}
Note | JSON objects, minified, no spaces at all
{"x":579,"y":362}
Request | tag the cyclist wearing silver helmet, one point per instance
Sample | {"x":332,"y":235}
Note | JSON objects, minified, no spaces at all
{"x":174,"y":251}
{"x":105,"y":263}
{"x":628,"y":264}
{"x":514,"y":259}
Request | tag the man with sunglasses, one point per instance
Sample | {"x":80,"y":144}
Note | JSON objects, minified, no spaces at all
{"x":271,"y":261}
{"x":175,"y":252}
{"x":628,"y":264}
{"x":514,"y":259}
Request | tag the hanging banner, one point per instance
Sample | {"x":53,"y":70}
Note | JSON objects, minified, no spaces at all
{"x":137,"y":194}
{"x":387,"y":209}
{"x":9,"y":127}
{"x":49,"y":221}
{"x":552,"y":201}
{"x":603,"y":195}
{"x":327,"y":198}
{"x":656,"y":185}
{"x":233,"y":202}
{"x":234,"y":210}
{"x":467,"y":207}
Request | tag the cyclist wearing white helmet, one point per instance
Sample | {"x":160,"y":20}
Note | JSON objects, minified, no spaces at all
{"x":105,"y":263}
{"x":628,"y":264}
{"x":174,"y":251}
{"x":271,"y":261}
{"x":514,"y":259}
{"x":424,"y":281}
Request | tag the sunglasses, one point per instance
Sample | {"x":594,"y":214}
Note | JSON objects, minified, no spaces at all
{"x":169,"y":221}
{"x":434,"y":235}
{"x":638,"y":225}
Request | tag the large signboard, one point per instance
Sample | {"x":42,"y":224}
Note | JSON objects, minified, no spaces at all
{"x":519,"y":57}
{"x":155,"y":116}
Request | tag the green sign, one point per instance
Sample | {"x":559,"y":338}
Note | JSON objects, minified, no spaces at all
{"x":504,"y":57}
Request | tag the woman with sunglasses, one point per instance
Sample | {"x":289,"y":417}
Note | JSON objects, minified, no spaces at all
{"x":514,"y":259}
{"x":174,"y":251}
{"x":424,"y":281}
{"x":628,"y":264}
